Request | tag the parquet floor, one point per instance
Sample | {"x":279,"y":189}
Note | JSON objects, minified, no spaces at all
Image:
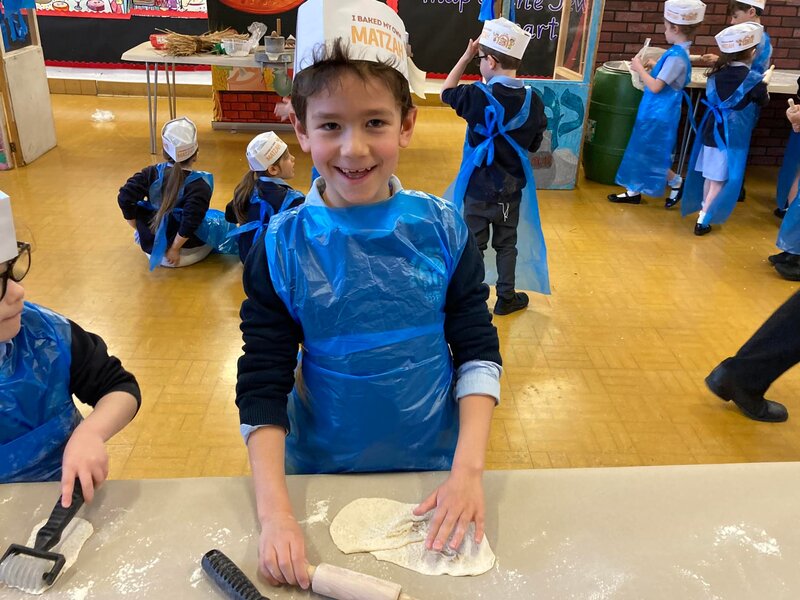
{"x":606,"y":371}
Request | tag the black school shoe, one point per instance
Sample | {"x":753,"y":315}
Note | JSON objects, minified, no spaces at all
{"x":780,"y":212}
{"x":674,"y":197}
{"x":784,"y":258}
{"x":701,"y":229}
{"x":789,"y":271}
{"x":742,"y":195}
{"x":754,"y":407}
{"x":505,"y":307}
{"x":625,"y":199}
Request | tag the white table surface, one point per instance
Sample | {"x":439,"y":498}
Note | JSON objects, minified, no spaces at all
{"x":782,"y":82}
{"x":701,"y":531}
{"x":145,"y":52}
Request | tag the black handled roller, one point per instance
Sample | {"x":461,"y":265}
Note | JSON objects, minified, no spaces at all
{"x":229,"y":578}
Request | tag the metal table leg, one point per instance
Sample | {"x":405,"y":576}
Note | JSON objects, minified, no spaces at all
{"x":155,"y":107}
{"x":696,"y":95}
{"x":174,"y":112}
{"x":150,"y":115}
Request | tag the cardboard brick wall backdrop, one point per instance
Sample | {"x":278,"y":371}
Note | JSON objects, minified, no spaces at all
{"x":627,"y":24}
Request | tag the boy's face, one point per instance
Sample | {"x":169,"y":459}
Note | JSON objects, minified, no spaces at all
{"x":743,"y":16}
{"x":670,"y":32}
{"x":354,"y":133}
{"x":10,"y":307}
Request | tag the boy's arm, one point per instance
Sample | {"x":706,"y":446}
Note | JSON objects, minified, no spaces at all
{"x":537,"y":108}
{"x":458,"y":70}
{"x":652,"y":84}
{"x":135,"y":189}
{"x":196,"y":201}
{"x":99,"y":380}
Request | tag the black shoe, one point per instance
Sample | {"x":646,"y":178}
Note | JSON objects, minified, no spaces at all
{"x":625,"y":199}
{"x":701,"y":229}
{"x":779,"y":212}
{"x":517,"y":302}
{"x":784,"y":258}
{"x":755,"y":407}
{"x":742,"y":195}
{"x":790,"y":271}
{"x":674,"y":197}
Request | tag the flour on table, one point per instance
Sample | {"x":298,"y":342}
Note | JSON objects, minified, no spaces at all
{"x":391,"y":532}
{"x":73,"y":538}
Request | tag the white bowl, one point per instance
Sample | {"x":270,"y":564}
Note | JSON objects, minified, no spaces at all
{"x":234,"y":47}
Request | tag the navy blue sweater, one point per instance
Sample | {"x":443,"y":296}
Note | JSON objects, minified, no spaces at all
{"x":195,"y":202}
{"x":504,"y":179}
{"x":274,"y":194}
{"x":271,"y":336}
{"x":727,"y":82}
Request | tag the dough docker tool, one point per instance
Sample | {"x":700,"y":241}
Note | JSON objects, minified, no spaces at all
{"x":326,"y":580}
{"x":35,"y":569}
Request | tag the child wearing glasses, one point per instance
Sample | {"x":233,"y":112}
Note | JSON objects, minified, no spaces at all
{"x":45,"y":359}
{"x":505,"y":120}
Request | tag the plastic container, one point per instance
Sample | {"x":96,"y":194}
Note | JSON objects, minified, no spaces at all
{"x":234,"y":47}
{"x":274,"y":44}
{"x":612,"y":113}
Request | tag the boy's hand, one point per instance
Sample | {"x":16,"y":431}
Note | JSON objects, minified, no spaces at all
{"x":636,"y":65}
{"x":284,"y":109}
{"x":709,"y":59}
{"x":793,"y":114}
{"x":458,"y":502}
{"x":282,"y":552}
{"x":471,"y":51}
{"x":768,"y":75}
{"x":85,"y":457}
{"x":173,"y":256}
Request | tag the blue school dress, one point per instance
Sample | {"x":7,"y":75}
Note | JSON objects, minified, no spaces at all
{"x":531,"y":272}
{"x":37,"y":414}
{"x":368,"y":286}
{"x":648,"y":155}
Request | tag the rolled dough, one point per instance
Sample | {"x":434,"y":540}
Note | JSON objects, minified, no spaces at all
{"x":391,"y":532}
{"x":73,"y":538}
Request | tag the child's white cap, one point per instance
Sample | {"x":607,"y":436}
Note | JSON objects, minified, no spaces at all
{"x":179,"y":138}
{"x":739,"y":37}
{"x":684,"y":12}
{"x":757,"y":3}
{"x":505,"y":37}
{"x":8,"y":236}
{"x":264,"y":150}
{"x":371,"y":30}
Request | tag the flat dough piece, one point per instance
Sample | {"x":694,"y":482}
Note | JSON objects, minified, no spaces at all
{"x":73,"y":538}
{"x":391,"y":532}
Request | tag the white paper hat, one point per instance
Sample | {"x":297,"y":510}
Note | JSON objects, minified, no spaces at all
{"x":264,"y":150}
{"x":372,"y":31}
{"x":179,"y":138}
{"x":8,"y":237}
{"x":739,"y":37}
{"x":684,"y":12}
{"x":757,"y":3}
{"x":506,"y":37}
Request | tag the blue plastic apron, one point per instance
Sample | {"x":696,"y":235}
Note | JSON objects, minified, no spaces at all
{"x":266,"y":212}
{"x":648,"y":155}
{"x":789,"y":168}
{"x":789,"y":233}
{"x":738,"y":127}
{"x":531,"y":272}
{"x":763,"y":55}
{"x":37,"y":414}
{"x":368,"y":286}
{"x":213,"y":230}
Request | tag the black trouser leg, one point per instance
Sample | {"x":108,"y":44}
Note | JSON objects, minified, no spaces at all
{"x":478,"y":220}
{"x":770,"y":352}
{"x":504,"y":242}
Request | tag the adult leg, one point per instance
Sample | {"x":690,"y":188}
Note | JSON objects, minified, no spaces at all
{"x":772,"y":350}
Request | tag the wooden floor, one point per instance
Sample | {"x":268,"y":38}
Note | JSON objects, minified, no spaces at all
{"x":607,"y":371}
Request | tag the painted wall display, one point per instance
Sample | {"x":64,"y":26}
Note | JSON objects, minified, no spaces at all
{"x":173,"y":6}
{"x":555,"y":164}
{"x":248,"y":94}
{"x":111,"y":7}
{"x":120,"y":8}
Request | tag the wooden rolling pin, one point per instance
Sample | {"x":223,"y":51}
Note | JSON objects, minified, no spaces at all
{"x":344,"y":584}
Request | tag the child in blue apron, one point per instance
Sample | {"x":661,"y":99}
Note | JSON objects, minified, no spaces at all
{"x":646,"y":166}
{"x":495,"y":185}
{"x":787,"y":262}
{"x":719,"y":157}
{"x":167,"y":203}
{"x":382,"y":290}
{"x":45,"y":359}
{"x":263,"y":191}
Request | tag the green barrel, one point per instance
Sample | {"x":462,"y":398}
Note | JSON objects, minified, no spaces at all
{"x":612,"y":113}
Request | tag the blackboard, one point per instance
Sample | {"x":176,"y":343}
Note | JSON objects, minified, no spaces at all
{"x":439,"y":30}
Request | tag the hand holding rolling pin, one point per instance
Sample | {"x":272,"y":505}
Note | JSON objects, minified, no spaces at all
{"x":768,"y":75}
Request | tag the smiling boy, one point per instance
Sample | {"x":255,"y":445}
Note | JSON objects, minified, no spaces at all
{"x":381,"y":287}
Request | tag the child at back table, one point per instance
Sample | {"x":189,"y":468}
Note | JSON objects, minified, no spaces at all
{"x":263,"y":191}
{"x":383,"y":290}
{"x":505,"y":120}
{"x":646,"y":166}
